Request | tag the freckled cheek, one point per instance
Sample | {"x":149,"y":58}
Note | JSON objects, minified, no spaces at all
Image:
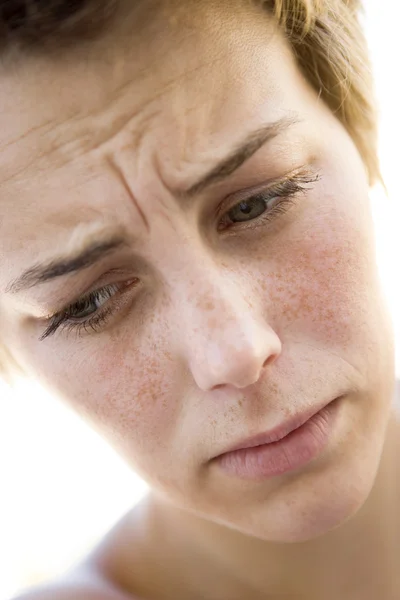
{"x":126,"y":388}
{"x":325,"y":282}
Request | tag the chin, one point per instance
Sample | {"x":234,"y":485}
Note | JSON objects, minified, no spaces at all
{"x":329,"y":492}
{"x":317,"y":502}
{"x":303,"y":522}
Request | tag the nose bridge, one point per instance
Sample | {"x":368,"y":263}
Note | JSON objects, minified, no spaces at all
{"x":224,"y":339}
{"x":217,"y":295}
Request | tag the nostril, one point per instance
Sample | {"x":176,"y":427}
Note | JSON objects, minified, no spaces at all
{"x":272,"y":358}
{"x":220,"y":386}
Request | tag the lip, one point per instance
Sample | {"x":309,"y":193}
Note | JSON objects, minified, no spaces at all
{"x":290,"y":446}
{"x":279,"y":432}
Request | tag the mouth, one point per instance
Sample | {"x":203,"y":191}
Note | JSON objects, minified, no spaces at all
{"x":288,"y":447}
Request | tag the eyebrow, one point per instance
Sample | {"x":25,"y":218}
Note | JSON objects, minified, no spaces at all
{"x":242,"y":153}
{"x":44,"y":272}
{"x":97,"y":250}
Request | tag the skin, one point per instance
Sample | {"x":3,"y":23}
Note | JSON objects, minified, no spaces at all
{"x":219,"y":331}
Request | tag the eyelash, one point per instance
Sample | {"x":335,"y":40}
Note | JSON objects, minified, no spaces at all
{"x":285,"y":190}
{"x":65,"y":320}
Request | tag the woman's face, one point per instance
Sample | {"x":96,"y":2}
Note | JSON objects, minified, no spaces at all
{"x":188,"y":259}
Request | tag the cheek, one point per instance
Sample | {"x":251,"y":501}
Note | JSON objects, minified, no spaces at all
{"x":139,"y":407}
{"x":321,"y":279}
{"x":324,"y":286}
{"x":319,"y":273}
{"x":122,"y":389}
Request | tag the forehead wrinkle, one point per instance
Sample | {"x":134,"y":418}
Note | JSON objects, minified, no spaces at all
{"x":134,"y":119}
{"x":7,"y":174}
{"x":85,"y":132}
{"x":147,"y":111}
{"x":62,"y":153}
{"x":125,"y":183}
{"x":33,"y":130}
{"x":67,"y":144}
{"x":95,"y":136}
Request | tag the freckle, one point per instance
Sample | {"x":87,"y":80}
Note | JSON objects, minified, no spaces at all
{"x":212,"y":323}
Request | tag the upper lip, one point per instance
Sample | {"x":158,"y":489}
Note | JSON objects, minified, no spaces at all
{"x":279,"y":432}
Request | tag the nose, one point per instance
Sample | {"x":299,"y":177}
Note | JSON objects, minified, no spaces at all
{"x":226,"y":342}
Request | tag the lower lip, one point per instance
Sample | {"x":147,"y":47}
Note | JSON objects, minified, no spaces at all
{"x":292,"y":452}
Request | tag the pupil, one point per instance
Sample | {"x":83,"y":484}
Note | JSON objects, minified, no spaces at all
{"x":85,"y":309}
{"x":248,"y":210}
{"x":245,"y":208}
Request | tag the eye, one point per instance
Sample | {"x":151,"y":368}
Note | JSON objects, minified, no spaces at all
{"x":90,"y":312}
{"x":91,"y":304}
{"x":248,"y":210}
{"x":270,"y":202}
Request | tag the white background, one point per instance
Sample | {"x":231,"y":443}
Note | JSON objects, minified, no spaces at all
{"x":61,"y":486}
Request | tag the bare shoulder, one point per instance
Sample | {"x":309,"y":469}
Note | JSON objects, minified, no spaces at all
{"x":82,"y":585}
{"x":97,"y":577}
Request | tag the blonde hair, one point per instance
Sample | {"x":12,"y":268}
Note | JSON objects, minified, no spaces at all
{"x":326,"y":37}
{"x":330,"y":46}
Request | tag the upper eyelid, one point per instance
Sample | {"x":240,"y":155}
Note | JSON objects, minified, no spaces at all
{"x":91,"y":296}
{"x":99,"y":284}
{"x":61,"y":317}
{"x":86,"y":297}
{"x":233,"y":199}
{"x":230,"y":201}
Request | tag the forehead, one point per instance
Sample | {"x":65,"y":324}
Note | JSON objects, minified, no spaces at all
{"x":165,"y":105}
{"x":195,"y":74}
